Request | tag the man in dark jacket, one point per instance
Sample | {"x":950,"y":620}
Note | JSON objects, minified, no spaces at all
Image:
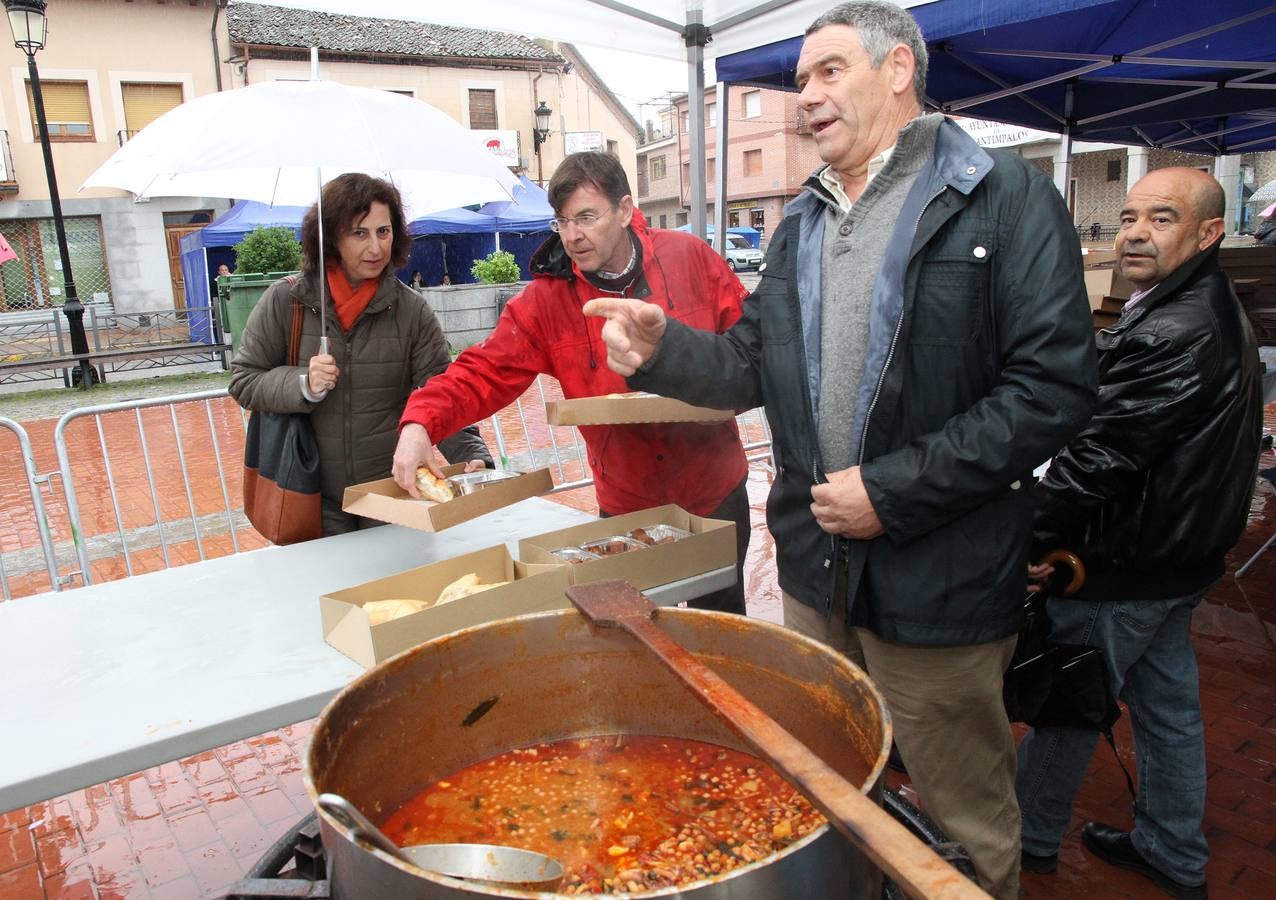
{"x":1151,"y":494}
{"x":921,"y":340}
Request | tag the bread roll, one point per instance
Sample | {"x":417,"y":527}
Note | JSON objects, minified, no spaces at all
{"x":465,"y":586}
{"x":432,"y":488}
{"x":380,"y":611}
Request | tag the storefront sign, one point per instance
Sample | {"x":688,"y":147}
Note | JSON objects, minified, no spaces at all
{"x":581,"y":141}
{"x":999,"y":134}
{"x":503,"y":145}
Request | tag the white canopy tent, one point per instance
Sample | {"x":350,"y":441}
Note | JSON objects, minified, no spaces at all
{"x":690,"y":30}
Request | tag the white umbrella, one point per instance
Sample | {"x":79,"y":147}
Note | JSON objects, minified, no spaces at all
{"x":276,"y":141}
{"x":266,"y":142}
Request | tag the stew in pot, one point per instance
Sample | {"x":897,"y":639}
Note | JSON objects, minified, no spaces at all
{"x":623,"y":813}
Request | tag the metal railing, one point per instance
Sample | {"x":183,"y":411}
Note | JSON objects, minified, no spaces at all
{"x":34,"y":482}
{"x":30,"y":337}
{"x":536,"y":442}
{"x":143,"y":495}
{"x":164,"y":531}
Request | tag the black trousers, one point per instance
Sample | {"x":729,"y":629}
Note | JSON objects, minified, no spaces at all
{"x":735,"y":508}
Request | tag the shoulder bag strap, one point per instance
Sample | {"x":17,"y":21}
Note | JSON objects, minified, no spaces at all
{"x":298,"y":319}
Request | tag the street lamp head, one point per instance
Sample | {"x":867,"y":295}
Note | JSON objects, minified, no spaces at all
{"x":26,"y":18}
{"x":541,"y":131}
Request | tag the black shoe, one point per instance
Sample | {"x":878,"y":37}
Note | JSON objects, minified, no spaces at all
{"x":1042,"y":865}
{"x":1115,"y":848}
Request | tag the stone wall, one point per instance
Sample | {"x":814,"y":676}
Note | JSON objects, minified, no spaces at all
{"x":467,"y":312}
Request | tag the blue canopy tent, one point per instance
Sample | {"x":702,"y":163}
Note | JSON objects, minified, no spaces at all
{"x":752,"y":235}
{"x":204,"y":250}
{"x":1178,"y":74}
{"x":451,"y":240}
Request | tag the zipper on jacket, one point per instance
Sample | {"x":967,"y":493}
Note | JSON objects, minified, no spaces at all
{"x":899,"y":326}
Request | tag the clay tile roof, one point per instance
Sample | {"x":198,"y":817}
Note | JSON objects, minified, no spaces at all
{"x":277,"y":26}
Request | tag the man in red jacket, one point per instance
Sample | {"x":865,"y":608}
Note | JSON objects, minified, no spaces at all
{"x":602,"y":247}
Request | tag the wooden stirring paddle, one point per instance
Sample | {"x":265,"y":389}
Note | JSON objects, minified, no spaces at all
{"x":917,"y":869}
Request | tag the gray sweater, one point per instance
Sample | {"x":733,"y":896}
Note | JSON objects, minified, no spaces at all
{"x":854,"y":246}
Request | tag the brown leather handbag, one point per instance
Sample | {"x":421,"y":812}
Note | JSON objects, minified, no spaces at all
{"x":281,"y":467}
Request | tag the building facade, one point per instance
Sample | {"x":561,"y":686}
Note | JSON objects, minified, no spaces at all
{"x":110,"y":67}
{"x":770,"y":153}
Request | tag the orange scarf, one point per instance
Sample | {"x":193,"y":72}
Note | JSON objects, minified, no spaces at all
{"x":349,"y":302}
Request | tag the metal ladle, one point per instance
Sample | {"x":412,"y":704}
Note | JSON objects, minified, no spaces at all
{"x":488,"y":864}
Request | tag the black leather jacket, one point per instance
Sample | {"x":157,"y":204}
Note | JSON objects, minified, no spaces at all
{"x":1156,"y":489}
{"x":990,"y":371}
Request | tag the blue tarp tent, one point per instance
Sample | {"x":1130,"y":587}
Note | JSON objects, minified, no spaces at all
{"x":752,"y":235}
{"x":204,"y":250}
{"x":451,"y":240}
{"x":447,"y":241}
{"x":1180,"y":74}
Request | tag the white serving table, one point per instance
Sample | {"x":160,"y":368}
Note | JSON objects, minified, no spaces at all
{"x":109,"y":679}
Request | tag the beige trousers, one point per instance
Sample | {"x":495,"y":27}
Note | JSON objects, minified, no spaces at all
{"x":952,"y":732}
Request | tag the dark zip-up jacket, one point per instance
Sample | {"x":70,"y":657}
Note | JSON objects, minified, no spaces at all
{"x":1156,"y":488}
{"x":980,"y":367}
{"x":394,"y":346}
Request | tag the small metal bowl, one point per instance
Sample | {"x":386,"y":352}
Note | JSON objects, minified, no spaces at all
{"x":469,"y":482}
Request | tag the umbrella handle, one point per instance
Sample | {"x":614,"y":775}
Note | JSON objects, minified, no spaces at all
{"x":323,"y":345}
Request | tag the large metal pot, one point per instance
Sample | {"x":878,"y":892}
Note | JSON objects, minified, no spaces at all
{"x":476,"y":693}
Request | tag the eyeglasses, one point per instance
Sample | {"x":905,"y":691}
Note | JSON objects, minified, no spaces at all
{"x":585,"y":221}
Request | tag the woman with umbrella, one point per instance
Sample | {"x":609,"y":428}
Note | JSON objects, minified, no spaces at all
{"x":388,"y":343}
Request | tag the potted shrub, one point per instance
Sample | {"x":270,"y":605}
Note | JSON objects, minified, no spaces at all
{"x":265,"y":255}
{"x":498,"y":267}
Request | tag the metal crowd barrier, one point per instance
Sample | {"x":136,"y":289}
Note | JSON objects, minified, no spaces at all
{"x":232,"y":512}
{"x":529,"y":440}
{"x":34,"y":482}
{"x":530,"y":410}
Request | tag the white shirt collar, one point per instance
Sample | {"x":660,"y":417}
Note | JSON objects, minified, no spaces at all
{"x":829,"y":178}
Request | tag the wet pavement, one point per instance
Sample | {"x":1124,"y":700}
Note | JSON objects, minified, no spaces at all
{"x":191,"y":827}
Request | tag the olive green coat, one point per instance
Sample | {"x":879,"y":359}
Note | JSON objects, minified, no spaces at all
{"x":394,"y":346}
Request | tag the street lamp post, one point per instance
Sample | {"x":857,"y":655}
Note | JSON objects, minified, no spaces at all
{"x":540,"y":134}
{"x":26,"y":18}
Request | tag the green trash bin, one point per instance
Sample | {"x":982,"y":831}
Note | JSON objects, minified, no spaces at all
{"x":236,"y":297}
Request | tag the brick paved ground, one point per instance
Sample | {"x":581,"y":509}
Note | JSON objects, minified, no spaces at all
{"x":190,"y":827}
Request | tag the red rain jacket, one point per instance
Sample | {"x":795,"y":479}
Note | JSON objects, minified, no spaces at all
{"x":543,"y":330}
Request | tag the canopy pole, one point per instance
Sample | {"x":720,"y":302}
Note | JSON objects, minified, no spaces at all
{"x":696,"y":36}
{"x":722,"y":94}
{"x":1063,"y":154}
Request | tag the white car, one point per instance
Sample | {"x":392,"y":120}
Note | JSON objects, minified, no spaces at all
{"x":741,"y":255}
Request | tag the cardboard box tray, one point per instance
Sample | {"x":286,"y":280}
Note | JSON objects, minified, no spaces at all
{"x":711,"y":546}
{"x":629,"y":409}
{"x":385,"y":501}
{"x":532,"y":588}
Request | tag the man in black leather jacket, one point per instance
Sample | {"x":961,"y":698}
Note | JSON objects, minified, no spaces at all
{"x":921,"y":340}
{"x":1152,"y":494}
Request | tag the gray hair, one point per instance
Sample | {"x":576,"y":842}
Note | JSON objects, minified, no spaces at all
{"x":881,"y":26}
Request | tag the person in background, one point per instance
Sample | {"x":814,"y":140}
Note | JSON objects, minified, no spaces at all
{"x":1151,"y":494}
{"x":383,"y":343}
{"x":447,"y":279}
{"x":922,"y":341}
{"x":223,"y":269}
{"x":602,"y":246}
{"x":418,"y":281}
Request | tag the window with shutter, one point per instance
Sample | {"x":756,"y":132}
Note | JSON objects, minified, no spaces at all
{"x":482,"y":110}
{"x":66,"y":109}
{"x":144,"y":103}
